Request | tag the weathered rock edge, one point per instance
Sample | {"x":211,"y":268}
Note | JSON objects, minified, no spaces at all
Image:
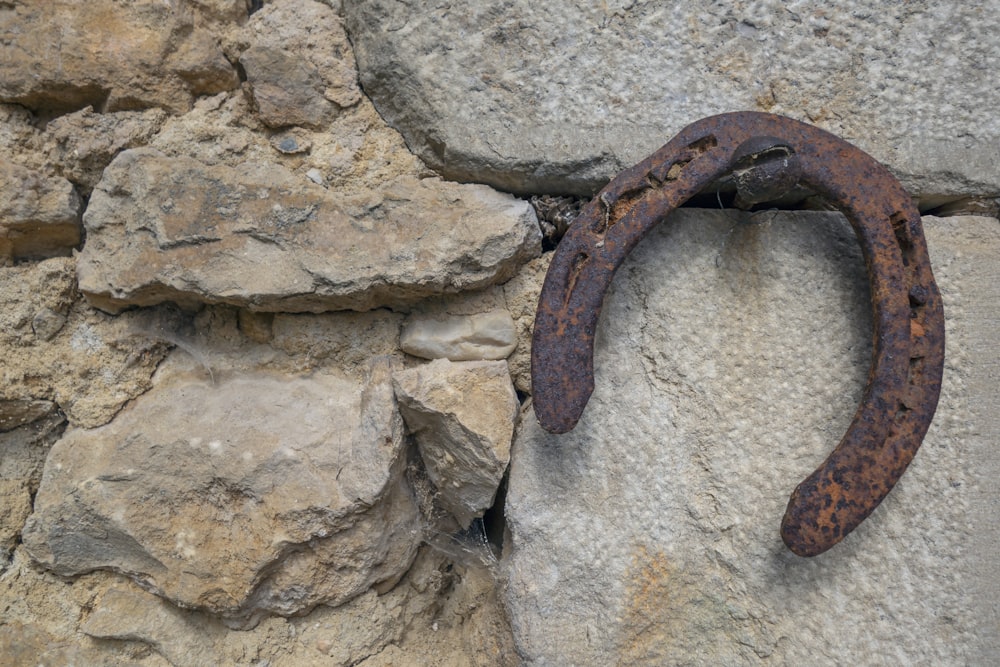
{"x":175,"y":229}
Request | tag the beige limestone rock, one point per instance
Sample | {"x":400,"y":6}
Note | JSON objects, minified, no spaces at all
{"x":24,"y":444}
{"x":521,"y":293}
{"x":730,"y":358}
{"x":56,"y":349}
{"x":39,"y":214}
{"x":299,"y":64}
{"x":62,"y":55}
{"x":345,"y":340}
{"x":488,"y":335}
{"x":263,"y":238}
{"x":258,"y":494}
{"x":445,"y":611}
{"x":462,"y":415}
{"x":81,"y":144}
{"x":123,"y":612}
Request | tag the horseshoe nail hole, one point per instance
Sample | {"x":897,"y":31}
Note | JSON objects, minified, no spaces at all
{"x":703,"y":144}
{"x":673,"y":171}
{"x":575,"y":268}
{"x":916,"y":369}
{"x":901,"y":412}
{"x":918,"y":296}
{"x":901,"y":229}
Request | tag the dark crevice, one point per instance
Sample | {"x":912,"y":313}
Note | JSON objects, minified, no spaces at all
{"x":495,"y":518}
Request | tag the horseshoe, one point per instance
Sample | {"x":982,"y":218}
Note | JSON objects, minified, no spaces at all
{"x":765,"y":155}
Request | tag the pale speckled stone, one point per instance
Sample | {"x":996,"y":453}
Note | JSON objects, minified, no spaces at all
{"x":462,"y":416}
{"x":489,"y":335}
{"x":558,"y":96}
{"x":730,"y":360}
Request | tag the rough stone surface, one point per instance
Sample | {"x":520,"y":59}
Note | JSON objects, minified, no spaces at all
{"x":176,"y":229}
{"x":488,"y":335}
{"x":556,"y":97}
{"x":521,"y":294}
{"x":25,"y":440}
{"x":260,"y":493}
{"x":462,"y":415}
{"x":39,"y":214}
{"x":81,"y":144}
{"x":730,"y":359}
{"x":964,"y":251}
{"x":299,"y":64}
{"x":62,"y":55}
{"x":345,"y":341}
{"x":444,"y":612}
{"x":56,"y":349}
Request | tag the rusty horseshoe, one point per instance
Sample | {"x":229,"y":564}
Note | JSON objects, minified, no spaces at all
{"x":765,"y":155}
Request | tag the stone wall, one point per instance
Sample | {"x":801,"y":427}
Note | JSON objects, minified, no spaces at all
{"x":268,"y":275}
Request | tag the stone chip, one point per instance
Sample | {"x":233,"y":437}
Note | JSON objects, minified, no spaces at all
{"x":462,"y":415}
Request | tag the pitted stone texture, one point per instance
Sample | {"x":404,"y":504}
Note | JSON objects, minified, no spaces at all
{"x":55,"y":349}
{"x":299,"y":63}
{"x":489,"y":335}
{"x":521,"y":293}
{"x":462,"y":415}
{"x":558,"y":96}
{"x":257,"y":494}
{"x":62,"y":55}
{"x":26,"y":434}
{"x":39,"y":214}
{"x":81,"y":144}
{"x":730,"y":359}
{"x":174,"y":229}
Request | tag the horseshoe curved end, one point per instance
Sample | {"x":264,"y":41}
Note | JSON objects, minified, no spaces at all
{"x":908,"y":356}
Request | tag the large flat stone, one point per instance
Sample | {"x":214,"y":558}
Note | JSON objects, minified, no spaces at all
{"x":730,"y":360}
{"x":557,"y":96}
{"x":263,"y":238}
{"x":258,"y":494}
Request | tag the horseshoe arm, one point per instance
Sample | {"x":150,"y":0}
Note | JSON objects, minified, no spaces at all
{"x":908,"y":355}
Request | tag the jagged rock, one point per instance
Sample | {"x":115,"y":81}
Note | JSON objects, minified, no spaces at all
{"x":487,"y":335}
{"x":521,"y":293}
{"x":111,"y":56}
{"x":258,"y":494}
{"x":462,"y":416}
{"x":557,"y":97}
{"x":27,"y":431}
{"x":730,"y":359}
{"x":81,"y":144}
{"x":299,"y":64}
{"x":57,"y":350}
{"x":39,"y":215}
{"x":175,"y":229}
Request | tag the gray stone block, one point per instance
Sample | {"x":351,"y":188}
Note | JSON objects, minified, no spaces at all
{"x":558,"y":96}
{"x":729,"y":361}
